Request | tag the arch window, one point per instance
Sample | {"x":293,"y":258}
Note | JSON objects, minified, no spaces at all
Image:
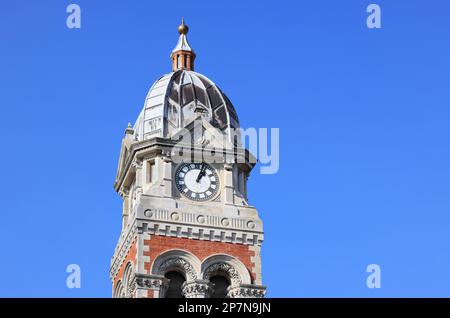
{"x":176,"y":281}
{"x":180,"y":268}
{"x":119,"y":292}
{"x":220,"y":286}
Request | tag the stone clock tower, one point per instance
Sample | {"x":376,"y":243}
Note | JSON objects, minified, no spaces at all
{"x":187,"y":228}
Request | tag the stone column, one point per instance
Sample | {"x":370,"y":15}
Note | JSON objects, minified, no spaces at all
{"x":124,"y":193}
{"x":228,"y":186}
{"x":246,"y":175}
{"x":138,"y":190}
{"x":167,"y":176}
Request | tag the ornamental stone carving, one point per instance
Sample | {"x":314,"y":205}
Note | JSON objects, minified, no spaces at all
{"x":225,"y":222}
{"x":136,"y":164}
{"x":196,"y":289}
{"x":246,"y":291}
{"x":187,"y":268}
{"x":124,"y":192}
{"x":131,"y":286}
{"x":166,"y":156}
{"x":157,"y":283}
{"x":232,"y":273}
{"x":152,"y":282}
{"x":148,"y":213}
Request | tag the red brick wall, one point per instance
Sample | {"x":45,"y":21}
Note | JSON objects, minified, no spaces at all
{"x":201,"y":249}
{"x":131,"y":256}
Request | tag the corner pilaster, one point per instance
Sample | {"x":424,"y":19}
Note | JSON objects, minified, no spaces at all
{"x":228,"y":184}
{"x":167,"y":176}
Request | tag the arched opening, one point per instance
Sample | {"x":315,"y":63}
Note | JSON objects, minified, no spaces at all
{"x":128,"y":279}
{"x":174,"y":288}
{"x":220,"y":284}
{"x":119,"y":292}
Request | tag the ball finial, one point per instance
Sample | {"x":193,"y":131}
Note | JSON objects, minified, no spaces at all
{"x":183,"y":28}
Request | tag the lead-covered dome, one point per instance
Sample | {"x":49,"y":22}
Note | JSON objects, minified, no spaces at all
{"x":176,"y":99}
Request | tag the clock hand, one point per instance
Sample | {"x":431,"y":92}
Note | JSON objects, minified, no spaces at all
{"x":201,"y":173}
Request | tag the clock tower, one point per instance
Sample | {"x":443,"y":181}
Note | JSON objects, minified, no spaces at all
{"x":187,"y":227}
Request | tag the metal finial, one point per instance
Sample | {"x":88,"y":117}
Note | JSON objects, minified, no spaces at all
{"x":183,"y":28}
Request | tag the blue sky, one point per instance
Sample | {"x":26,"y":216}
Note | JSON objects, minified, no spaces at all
{"x":364,"y":126}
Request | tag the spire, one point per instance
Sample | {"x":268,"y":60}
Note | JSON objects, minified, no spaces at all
{"x":129,"y":130}
{"x":182,"y":55}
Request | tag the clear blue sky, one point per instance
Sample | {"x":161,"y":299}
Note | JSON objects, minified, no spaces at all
{"x":363,"y":114}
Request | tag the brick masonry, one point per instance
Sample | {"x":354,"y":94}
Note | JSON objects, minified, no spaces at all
{"x":131,"y":257}
{"x":157,"y":245}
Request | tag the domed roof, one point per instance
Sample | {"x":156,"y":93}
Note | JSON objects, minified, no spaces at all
{"x":176,"y":99}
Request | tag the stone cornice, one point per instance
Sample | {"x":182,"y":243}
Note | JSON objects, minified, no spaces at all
{"x":200,"y":232}
{"x":158,"y":144}
{"x":207,"y":220}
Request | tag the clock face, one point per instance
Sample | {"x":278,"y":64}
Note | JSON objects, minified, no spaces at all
{"x":197,"y":181}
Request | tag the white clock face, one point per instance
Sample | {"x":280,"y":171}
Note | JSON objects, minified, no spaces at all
{"x":197,"y":181}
